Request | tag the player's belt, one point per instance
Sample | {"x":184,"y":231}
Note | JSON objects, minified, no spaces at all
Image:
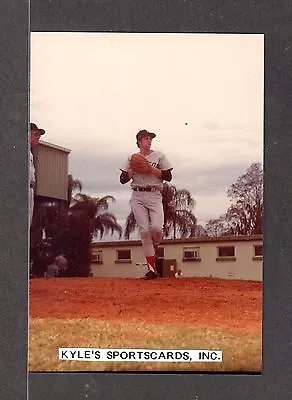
{"x":32,"y":185}
{"x":146,"y":189}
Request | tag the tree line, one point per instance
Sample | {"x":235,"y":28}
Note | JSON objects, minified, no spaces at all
{"x":72,"y":229}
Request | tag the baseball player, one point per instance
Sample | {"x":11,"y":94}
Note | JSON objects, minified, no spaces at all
{"x":147,"y":169}
{"x":35,"y":134}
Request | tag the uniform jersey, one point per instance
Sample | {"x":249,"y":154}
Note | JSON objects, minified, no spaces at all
{"x":31,"y":169}
{"x":158,"y":160}
{"x":30,"y":190}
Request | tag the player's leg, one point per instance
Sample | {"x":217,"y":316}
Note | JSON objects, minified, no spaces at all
{"x":141,"y":214}
{"x":156,"y":218}
{"x":155,"y":209}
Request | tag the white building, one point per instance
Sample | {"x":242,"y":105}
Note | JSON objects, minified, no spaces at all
{"x":236,"y":257}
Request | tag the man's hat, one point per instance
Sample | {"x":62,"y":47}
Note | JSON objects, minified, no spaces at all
{"x":144,"y":133}
{"x":33,"y":127}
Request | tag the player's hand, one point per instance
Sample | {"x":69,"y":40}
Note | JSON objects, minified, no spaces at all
{"x":130,"y":173}
{"x":156,"y":171}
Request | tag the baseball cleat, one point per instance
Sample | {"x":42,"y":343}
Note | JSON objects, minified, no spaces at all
{"x":147,"y":273}
{"x":150,"y":275}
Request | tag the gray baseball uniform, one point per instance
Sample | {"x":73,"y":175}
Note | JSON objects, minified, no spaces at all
{"x":31,"y":185}
{"x":147,"y":205}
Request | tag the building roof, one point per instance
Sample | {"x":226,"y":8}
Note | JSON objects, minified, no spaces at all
{"x":196,"y":240}
{"x":54,"y":146}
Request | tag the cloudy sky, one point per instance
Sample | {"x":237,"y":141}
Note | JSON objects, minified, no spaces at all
{"x":202,"y":94}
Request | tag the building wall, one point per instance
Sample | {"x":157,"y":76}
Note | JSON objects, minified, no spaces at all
{"x":244,"y":264}
{"x":51,"y":163}
{"x":109,"y":268}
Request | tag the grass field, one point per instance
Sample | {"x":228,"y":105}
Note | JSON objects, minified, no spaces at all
{"x":241,"y":352}
{"x":124,"y":325}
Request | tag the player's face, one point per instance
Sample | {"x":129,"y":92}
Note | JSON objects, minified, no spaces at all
{"x":34,"y":138}
{"x":145,"y":142}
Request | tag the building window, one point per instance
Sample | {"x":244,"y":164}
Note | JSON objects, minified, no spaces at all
{"x":160,"y":252}
{"x":123,"y":257}
{"x":226,"y":253}
{"x":191,"y":254}
{"x":258,"y":252}
{"x":96,"y":257}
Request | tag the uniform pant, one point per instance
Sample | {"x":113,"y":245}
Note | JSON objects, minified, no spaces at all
{"x":148,"y":211}
{"x":31,"y":204}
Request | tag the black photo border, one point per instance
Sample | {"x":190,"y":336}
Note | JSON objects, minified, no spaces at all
{"x":244,"y":17}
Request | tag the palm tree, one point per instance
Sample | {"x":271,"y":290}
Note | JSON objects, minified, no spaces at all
{"x":178,"y":205}
{"x":92,"y":209}
{"x":178,"y":216}
{"x":73,"y":184}
{"x":131,"y":225}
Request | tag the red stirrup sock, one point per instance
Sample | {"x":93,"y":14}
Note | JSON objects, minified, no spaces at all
{"x":151,"y":262}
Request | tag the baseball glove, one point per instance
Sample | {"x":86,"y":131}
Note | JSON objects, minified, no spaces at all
{"x":139,"y":164}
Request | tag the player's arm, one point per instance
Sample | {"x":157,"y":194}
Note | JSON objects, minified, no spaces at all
{"x":165,"y":175}
{"x":125,"y":176}
{"x":166,"y":168}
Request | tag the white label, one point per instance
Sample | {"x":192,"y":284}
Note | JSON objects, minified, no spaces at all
{"x":139,"y":355}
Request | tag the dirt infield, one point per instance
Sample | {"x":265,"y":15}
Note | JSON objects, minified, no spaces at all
{"x":205,"y":303}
